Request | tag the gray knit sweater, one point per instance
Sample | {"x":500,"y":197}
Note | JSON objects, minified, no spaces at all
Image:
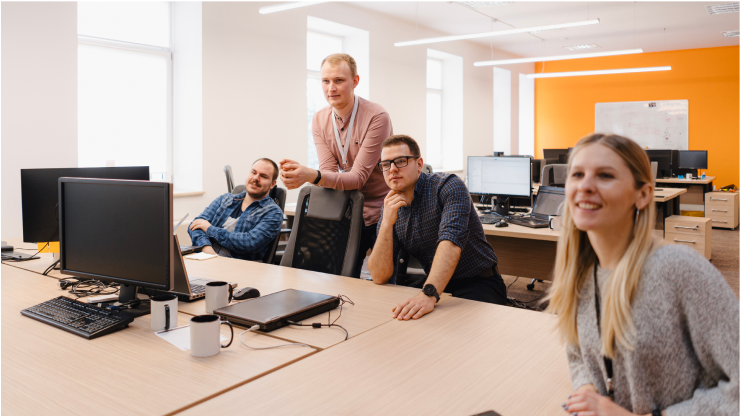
{"x":685,"y":359}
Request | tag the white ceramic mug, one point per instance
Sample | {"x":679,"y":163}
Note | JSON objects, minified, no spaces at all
{"x":205,"y":335}
{"x":164,"y":312}
{"x":218,"y":295}
{"x":554,"y":222}
{"x":688,"y":176}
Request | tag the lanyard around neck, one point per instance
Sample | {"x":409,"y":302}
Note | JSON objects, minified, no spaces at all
{"x":607,"y":361}
{"x":344,"y":149}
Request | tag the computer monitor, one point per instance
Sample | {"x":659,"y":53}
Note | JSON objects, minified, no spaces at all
{"x":117,"y":231}
{"x":39,"y":196}
{"x":502,"y":177}
{"x":663,"y":157}
{"x":692,"y":159}
{"x":554,"y":153}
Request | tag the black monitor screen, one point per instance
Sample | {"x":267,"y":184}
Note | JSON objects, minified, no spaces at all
{"x":39,"y":196}
{"x":692,"y":159}
{"x":117,"y":231}
{"x":663,"y":157}
{"x":554,"y":153}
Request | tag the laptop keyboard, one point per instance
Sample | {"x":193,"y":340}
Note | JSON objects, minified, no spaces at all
{"x":530,"y":222}
{"x":197,"y":289}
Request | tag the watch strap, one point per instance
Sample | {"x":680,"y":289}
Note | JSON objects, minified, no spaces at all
{"x":657,"y":412}
{"x":318,"y":177}
{"x":433,"y":290}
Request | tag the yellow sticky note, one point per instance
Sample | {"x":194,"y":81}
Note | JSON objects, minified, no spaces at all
{"x":50,"y":247}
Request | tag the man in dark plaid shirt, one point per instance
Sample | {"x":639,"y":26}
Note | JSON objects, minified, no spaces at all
{"x":432,"y":217}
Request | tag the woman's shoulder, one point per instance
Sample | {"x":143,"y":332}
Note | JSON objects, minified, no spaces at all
{"x":676,"y":264}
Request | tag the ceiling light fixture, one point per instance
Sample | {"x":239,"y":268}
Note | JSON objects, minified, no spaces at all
{"x":580,"y":47}
{"x":599,"y":72}
{"x":484,"y":4}
{"x":498,"y":33}
{"x":730,"y":34}
{"x":724,"y":8}
{"x":557,"y":58}
{"x":287,"y":6}
{"x":547,"y":30}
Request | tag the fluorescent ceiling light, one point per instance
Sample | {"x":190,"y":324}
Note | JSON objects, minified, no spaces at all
{"x":557,"y":58}
{"x":499,"y":33}
{"x":579,"y":47}
{"x":484,"y":4}
{"x":548,"y":30}
{"x":599,"y":72}
{"x":730,"y":34}
{"x":287,"y":6}
{"x":724,"y":8}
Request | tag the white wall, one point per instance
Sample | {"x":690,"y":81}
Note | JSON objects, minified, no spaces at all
{"x":39,"y":96}
{"x":254,"y":101}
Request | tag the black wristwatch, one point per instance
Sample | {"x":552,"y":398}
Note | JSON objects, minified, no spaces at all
{"x":430,"y":291}
{"x":318,"y":177}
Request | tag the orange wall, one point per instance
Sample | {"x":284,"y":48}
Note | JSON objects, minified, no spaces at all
{"x":708,"y":78}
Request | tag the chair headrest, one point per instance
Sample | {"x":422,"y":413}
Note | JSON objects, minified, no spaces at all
{"x":327,"y":204}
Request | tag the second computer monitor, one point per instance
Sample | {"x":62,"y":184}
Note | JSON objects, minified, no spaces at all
{"x":500,"y":176}
{"x":663,"y":157}
{"x":692,"y":159}
{"x":555,"y":153}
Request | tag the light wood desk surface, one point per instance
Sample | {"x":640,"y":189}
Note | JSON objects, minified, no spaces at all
{"x":706,"y":181}
{"x":464,"y":358}
{"x":373,"y":303}
{"x":46,"y":370}
{"x":668,"y":193}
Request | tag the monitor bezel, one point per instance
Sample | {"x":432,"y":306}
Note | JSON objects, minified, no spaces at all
{"x":706,"y":157}
{"x":467,"y":175}
{"x":103,"y":278}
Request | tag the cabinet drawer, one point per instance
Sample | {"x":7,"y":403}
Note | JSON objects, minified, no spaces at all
{"x":715,"y":211}
{"x":684,"y":227}
{"x":725,"y":200}
{"x":728,"y":222}
{"x":697,"y":242}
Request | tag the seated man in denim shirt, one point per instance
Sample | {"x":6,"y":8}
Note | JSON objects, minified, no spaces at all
{"x":432,"y":217}
{"x":243,"y":225}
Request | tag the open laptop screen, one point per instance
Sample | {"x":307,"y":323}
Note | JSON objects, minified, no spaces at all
{"x":548,"y":201}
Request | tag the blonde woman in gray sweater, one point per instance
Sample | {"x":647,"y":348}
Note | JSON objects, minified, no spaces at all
{"x":660,"y":334}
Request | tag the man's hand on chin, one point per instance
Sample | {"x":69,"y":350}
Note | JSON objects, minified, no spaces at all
{"x":414,"y":308}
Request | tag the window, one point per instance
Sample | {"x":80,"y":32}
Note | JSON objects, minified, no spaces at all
{"x":502,"y":110}
{"x":324,"y":38}
{"x":526,"y":115}
{"x":125,"y":85}
{"x":443,"y":146}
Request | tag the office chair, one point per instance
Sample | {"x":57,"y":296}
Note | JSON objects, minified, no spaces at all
{"x":427,"y":168}
{"x":229,"y":178}
{"x":278,"y":195}
{"x":326,"y":231}
{"x":554,"y":175}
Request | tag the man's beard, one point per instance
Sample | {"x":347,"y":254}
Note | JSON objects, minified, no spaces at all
{"x":259,"y":195}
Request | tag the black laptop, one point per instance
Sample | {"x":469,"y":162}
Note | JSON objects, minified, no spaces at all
{"x":549,"y":200}
{"x":273,"y":311}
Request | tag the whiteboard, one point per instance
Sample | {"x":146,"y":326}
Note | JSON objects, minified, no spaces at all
{"x":652,"y":124}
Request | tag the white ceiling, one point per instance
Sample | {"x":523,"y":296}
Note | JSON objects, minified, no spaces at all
{"x":624,"y":25}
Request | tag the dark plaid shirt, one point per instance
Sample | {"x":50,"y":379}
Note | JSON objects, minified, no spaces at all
{"x":442,"y":210}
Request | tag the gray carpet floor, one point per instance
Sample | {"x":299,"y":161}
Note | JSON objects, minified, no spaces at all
{"x":725,"y":257}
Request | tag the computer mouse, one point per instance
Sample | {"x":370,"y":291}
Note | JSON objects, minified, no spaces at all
{"x":501,"y":224}
{"x":246,"y":293}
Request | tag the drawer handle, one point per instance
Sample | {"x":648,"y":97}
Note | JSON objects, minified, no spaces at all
{"x":696,"y":227}
{"x":716,"y":199}
{"x":719,"y":210}
{"x":719,"y":221}
{"x":684,"y":241}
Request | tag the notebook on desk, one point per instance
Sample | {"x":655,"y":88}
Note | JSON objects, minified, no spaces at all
{"x":275,"y":310}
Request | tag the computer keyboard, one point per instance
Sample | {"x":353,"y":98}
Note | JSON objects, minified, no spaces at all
{"x":87,"y":321}
{"x":530,"y":222}
{"x":491,"y":219}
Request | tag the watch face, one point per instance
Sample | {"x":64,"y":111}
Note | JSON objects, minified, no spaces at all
{"x":428,"y":290}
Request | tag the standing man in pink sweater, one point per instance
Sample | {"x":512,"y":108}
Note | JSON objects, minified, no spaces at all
{"x":348,"y":135}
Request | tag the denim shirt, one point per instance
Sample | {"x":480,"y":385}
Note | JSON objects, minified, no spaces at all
{"x":255,"y":229}
{"x":442,"y":210}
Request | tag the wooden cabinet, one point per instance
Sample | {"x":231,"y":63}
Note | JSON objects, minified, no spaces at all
{"x":722,"y":208}
{"x":694,"y":232}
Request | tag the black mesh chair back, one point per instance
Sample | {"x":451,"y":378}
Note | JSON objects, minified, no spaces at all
{"x":229,"y":178}
{"x":326,"y":231}
{"x":278,"y":195}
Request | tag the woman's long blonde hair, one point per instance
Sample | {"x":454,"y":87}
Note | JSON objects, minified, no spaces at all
{"x":575,"y":258}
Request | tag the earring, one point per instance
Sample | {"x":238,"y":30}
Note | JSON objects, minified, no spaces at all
{"x":637,"y":214}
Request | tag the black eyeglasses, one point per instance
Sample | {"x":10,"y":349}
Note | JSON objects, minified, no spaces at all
{"x":400,"y":162}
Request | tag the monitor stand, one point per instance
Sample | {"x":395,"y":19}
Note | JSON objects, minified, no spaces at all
{"x":502,"y":206}
{"x":128,"y":293}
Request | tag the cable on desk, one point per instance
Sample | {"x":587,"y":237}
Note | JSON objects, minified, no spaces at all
{"x":256,"y":327}
{"x":342,"y":300}
{"x":50,"y":268}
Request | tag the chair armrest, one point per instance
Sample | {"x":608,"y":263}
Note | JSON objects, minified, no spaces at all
{"x":285,"y":231}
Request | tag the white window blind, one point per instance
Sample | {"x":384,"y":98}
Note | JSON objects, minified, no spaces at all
{"x":125,"y":86}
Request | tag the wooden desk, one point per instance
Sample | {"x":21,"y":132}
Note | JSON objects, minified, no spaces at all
{"x":46,"y":370}
{"x":464,"y":358}
{"x":693,"y":200}
{"x":706,"y":181}
{"x":373,"y":303}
